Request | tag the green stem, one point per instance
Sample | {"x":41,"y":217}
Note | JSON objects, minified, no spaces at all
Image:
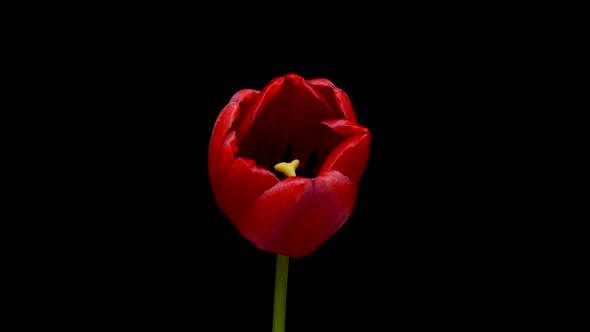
{"x":280,"y":307}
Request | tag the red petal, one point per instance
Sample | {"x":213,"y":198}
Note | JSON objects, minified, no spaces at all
{"x":243,"y":95}
{"x":224,"y":122}
{"x":222,"y":125}
{"x":294,"y":92}
{"x":243,"y":183}
{"x":227,"y":150}
{"x":237,"y":176}
{"x":350,"y":158}
{"x":246,"y":99}
{"x":297,"y":215}
{"x":287,"y":111}
{"x":345,"y":127}
{"x":335,"y":96}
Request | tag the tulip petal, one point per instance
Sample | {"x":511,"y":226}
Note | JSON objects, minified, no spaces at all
{"x":294,"y":91}
{"x":297,"y":215}
{"x":334,"y":96}
{"x":350,"y":158}
{"x":346,"y":128}
{"x":243,"y":95}
{"x":238,"y":179}
{"x":226,"y":119}
{"x":226,"y":154}
{"x":243,"y":184}
{"x":287,"y":111}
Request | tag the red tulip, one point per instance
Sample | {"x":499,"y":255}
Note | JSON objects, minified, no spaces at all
{"x":291,"y":118}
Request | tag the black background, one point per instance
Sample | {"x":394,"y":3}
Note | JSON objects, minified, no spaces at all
{"x":472,"y":213}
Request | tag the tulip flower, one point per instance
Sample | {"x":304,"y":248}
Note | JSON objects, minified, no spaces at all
{"x":285,"y":163}
{"x":288,"y":210}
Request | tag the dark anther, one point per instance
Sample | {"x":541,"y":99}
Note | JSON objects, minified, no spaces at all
{"x":310,"y":164}
{"x":270,"y":165}
{"x":287,"y":154}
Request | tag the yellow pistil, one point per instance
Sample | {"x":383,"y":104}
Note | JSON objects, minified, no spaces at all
{"x":287,"y":168}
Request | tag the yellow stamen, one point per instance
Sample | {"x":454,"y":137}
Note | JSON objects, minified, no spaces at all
{"x":287,"y":168}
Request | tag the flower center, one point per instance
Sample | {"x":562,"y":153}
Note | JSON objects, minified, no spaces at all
{"x":287,"y":168}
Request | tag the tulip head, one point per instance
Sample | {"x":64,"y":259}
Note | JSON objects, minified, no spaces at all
{"x":283,"y":207}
